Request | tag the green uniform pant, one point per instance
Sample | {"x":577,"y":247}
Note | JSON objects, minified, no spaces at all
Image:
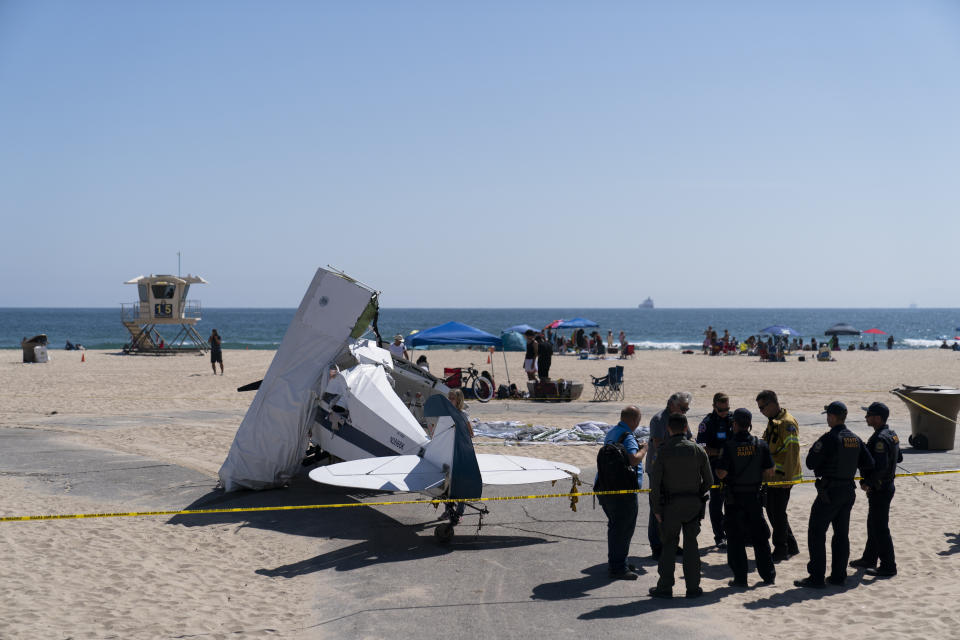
{"x":681,"y":514}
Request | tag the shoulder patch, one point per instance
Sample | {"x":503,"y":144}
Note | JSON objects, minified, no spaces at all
{"x":817,"y":446}
{"x":791,"y":428}
{"x":896,"y":439}
{"x":879,"y":446}
{"x":703,"y":428}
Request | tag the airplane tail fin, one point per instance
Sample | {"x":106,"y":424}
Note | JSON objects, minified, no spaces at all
{"x":451,"y":448}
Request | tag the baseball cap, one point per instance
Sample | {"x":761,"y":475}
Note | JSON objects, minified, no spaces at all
{"x":398,"y":337}
{"x":836,"y":407}
{"x":743,"y":417}
{"x":877,"y":409}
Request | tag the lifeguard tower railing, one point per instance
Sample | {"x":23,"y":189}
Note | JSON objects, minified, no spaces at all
{"x":141,"y":321}
{"x":141,"y":312}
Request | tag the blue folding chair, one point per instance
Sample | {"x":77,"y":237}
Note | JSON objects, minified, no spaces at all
{"x":603,"y":386}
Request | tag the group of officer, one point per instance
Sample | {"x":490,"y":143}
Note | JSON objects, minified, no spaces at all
{"x":757,"y":473}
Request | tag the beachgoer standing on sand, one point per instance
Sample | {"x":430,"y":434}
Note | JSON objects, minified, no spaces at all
{"x":216,"y":352}
{"x":398,"y":349}
{"x":530,"y":358}
{"x":782,"y":435}
{"x":544,"y":357}
{"x":884,"y":446}
{"x":834,"y":458}
{"x":455,"y":396}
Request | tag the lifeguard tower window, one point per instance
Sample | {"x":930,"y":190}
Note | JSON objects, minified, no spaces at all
{"x":163,"y":290}
{"x":144,"y":293}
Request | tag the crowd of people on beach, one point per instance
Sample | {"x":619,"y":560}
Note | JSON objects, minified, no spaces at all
{"x":742,"y":481}
{"x":774,"y":346}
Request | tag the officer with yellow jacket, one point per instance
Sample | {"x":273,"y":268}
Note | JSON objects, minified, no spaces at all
{"x":782,"y":436}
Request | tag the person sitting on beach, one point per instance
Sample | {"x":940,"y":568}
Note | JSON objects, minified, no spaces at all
{"x":944,"y":345}
{"x":423,"y":364}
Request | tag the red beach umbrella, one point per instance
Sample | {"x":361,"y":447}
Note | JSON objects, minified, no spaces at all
{"x":553,"y":325}
{"x":876,"y":331}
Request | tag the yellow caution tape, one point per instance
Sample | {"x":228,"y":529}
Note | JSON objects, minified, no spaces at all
{"x":438,"y":501}
{"x":924,"y":407}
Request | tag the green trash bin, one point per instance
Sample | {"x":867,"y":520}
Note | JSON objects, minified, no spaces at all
{"x":929,"y":431}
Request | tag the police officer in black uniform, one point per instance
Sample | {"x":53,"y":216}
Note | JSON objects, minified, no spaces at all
{"x":884,"y":446}
{"x":743,"y":465}
{"x":834,"y":458}
{"x":713,"y":434}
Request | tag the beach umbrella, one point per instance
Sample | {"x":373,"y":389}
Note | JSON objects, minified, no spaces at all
{"x":779,"y":330}
{"x":553,"y":325}
{"x":841,"y":329}
{"x":519,"y":328}
{"x":576,"y":323}
{"x":876,"y":332}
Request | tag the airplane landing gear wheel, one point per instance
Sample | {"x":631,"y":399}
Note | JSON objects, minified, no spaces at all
{"x":444,"y":532}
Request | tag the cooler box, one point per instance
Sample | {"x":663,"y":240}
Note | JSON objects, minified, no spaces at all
{"x":929,"y":431}
{"x":40,"y":355}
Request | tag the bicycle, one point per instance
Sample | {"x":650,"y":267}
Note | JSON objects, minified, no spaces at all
{"x":470,"y":378}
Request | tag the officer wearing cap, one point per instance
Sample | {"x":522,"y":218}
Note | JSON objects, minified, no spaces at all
{"x":713,"y":433}
{"x":884,"y":446}
{"x":744,"y":464}
{"x":834,"y":458}
{"x":679,"y":481}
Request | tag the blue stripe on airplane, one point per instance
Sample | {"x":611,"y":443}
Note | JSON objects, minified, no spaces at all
{"x":354,"y":436}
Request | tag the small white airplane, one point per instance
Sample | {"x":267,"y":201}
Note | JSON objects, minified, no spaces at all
{"x":329,"y":387}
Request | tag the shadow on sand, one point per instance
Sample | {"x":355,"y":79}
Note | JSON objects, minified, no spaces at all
{"x":380,"y":538}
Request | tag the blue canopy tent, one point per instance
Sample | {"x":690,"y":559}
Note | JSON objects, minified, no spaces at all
{"x":453,"y":333}
{"x":513,"y":341}
{"x":576,"y":323}
{"x":523,"y":328}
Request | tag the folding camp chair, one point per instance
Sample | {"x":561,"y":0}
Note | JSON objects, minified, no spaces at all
{"x":603,"y":386}
{"x":627,"y":351}
{"x":616,"y":384}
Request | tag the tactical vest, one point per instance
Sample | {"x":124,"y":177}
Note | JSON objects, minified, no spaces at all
{"x":847,"y":455}
{"x":746,"y":473}
{"x":892,"y":443}
{"x":679,"y":459}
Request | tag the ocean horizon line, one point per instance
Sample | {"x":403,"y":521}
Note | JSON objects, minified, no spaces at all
{"x":664,"y":308}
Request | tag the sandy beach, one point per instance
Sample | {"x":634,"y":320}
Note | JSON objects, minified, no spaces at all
{"x":130,"y":433}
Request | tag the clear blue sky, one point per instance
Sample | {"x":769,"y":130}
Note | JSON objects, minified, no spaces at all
{"x":502,"y":154}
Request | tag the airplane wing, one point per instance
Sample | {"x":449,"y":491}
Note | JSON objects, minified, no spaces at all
{"x":389,"y":473}
{"x":412,"y":473}
{"x":504,"y":469}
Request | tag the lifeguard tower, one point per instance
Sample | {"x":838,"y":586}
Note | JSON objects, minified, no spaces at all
{"x":163,"y":301}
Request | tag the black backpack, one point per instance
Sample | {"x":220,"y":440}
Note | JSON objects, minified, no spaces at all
{"x":614,"y":471}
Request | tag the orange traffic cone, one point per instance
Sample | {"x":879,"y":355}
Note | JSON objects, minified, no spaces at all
{"x":83,"y":357}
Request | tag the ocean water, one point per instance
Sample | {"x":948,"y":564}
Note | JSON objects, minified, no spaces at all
{"x":646,"y":328}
